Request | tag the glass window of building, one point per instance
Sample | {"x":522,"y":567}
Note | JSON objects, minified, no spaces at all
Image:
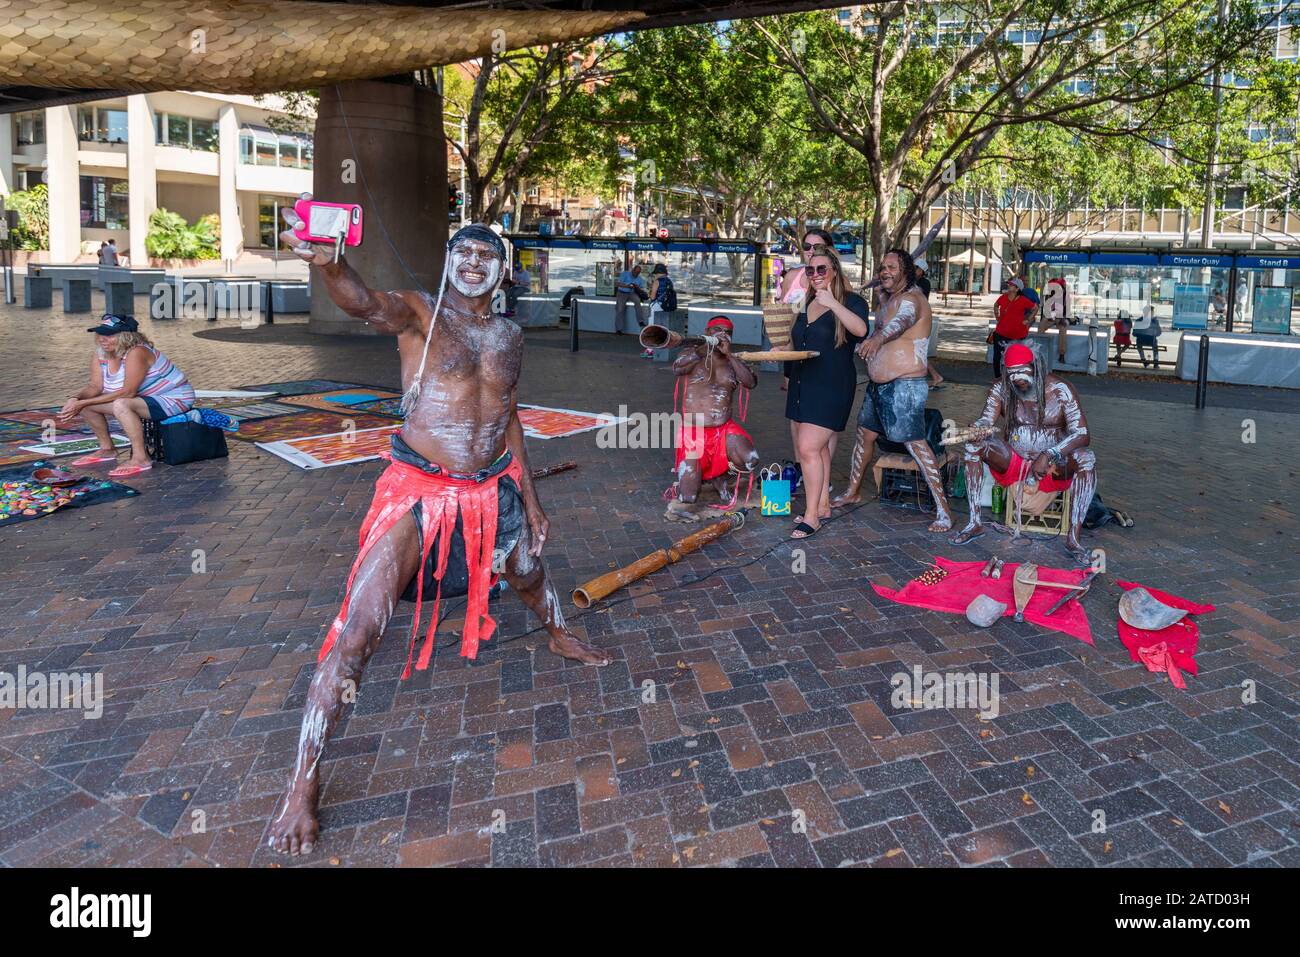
{"x":305,"y":149}
{"x":204,"y":135}
{"x":266,"y":150}
{"x":101,"y":125}
{"x":178,"y":131}
{"x":289,"y":152}
{"x":158,"y":136}
{"x":30,"y":128}
{"x":103,"y":203}
{"x":112,"y":123}
{"x":246,"y":147}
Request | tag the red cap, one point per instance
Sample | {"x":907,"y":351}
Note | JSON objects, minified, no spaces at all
{"x":720,"y":321}
{"x":1018,"y":355}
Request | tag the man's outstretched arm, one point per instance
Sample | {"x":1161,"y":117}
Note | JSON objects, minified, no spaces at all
{"x":386,"y":311}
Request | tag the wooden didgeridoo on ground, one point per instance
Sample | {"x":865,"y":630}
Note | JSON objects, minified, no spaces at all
{"x":546,"y":470}
{"x":598,"y":588}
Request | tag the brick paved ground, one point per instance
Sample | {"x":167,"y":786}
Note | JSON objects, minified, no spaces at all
{"x":772,"y":687}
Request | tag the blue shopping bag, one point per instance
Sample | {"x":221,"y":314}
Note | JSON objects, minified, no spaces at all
{"x":775,"y":490}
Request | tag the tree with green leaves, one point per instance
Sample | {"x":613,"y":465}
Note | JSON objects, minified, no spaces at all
{"x":921,"y":90}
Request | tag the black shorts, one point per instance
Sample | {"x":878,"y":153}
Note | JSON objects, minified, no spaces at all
{"x":510,"y":527}
{"x":895,"y":409}
{"x":155,"y":409}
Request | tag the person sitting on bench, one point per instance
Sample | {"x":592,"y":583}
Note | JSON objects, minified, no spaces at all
{"x":131,"y":380}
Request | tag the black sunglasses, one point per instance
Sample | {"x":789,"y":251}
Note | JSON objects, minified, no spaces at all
{"x":821,"y":270}
{"x":810,"y":246}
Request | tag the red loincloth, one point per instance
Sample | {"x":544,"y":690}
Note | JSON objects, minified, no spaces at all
{"x":708,"y":444}
{"x":1171,"y":649}
{"x":963,"y":583}
{"x":441,"y":497}
{"x":1018,"y":469}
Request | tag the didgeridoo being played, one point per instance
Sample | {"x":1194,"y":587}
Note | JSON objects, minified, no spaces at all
{"x":596,"y":589}
{"x":711,"y":444}
{"x":456,"y":504}
{"x":661,"y":337}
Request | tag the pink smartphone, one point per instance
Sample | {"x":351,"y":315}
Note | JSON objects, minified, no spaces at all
{"x":324,"y":222}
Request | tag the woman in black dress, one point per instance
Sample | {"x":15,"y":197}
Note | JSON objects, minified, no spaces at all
{"x":820,"y":399}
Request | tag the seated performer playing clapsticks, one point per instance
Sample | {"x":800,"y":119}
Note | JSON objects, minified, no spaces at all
{"x":898,"y":364}
{"x":711,"y":442}
{"x":1043,"y":442}
{"x":457,"y":494}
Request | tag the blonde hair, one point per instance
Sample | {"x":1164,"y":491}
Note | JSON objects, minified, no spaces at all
{"x":839,"y":288}
{"x":124,"y":342}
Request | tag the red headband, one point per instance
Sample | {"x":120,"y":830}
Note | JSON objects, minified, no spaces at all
{"x":1018,"y":355}
{"x":720,"y":321}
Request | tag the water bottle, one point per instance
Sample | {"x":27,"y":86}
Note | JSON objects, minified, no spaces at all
{"x":792,"y":474}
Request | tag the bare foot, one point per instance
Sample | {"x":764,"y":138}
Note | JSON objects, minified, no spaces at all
{"x":839,"y":501}
{"x":294,"y":828}
{"x":679,"y":511}
{"x":571,"y":647}
{"x":1078,"y":554}
{"x":969,"y":533}
{"x":941,"y":524}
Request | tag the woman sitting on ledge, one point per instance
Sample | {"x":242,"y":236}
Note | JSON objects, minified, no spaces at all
{"x":131,"y":380}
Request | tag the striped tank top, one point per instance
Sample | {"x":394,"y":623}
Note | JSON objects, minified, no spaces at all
{"x":164,"y":383}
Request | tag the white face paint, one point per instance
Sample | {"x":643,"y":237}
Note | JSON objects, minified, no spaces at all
{"x":475,"y":269}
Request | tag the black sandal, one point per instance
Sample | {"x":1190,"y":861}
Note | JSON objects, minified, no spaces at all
{"x":804,"y":530}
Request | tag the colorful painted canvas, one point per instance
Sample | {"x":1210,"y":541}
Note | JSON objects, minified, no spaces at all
{"x":41,"y":416}
{"x":304,"y":424}
{"x":11,"y":430}
{"x":539,"y":422}
{"x":77,"y":446}
{"x":11,"y":453}
{"x":326,"y":400}
{"x":382,"y":407}
{"x":301,"y":386}
{"x":340,"y":448}
{"x":258,"y":410}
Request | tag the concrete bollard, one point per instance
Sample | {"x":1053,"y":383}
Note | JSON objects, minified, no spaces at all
{"x":76,"y":295}
{"x":38,"y":292}
{"x":119,"y":297}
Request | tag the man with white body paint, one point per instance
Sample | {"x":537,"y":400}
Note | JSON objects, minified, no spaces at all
{"x":456,"y":505}
{"x":894,"y":403}
{"x":1043,"y":441}
{"x":711,"y":443}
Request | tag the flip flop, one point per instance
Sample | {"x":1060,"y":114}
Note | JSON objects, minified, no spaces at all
{"x":94,"y":458}
{"x":803,"y":530}
{"x":126,"y":471}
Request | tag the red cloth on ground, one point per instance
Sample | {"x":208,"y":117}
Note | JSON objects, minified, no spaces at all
{"x":1012,"y":321}
{"x":1170,"y":649}
{"x":708,"y":444}
{"x":441,"y":497}
{"x":1018,"y":469}
{"x":963,"y":583}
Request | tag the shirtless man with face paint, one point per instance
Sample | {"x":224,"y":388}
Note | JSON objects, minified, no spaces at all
{"x":456,"y":506}
{"x":894,"y":404}
{"x":1043,"y":433}
{"x":711,"y":443}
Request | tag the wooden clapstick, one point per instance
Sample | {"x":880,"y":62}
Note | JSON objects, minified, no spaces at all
{"x":598,"y":588}
{"x":777,"y":355}
{"x":974,"y":433}
{"x":553,"y":469}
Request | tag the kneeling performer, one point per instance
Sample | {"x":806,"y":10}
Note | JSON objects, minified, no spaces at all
{"x":897,"y":355}
{"x":711,"y":442}
{"x":455,"y":505}
{"x":1043,"y":440}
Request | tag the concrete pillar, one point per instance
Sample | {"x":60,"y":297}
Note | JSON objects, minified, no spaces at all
{"x":64,"y":183}
{"x":232,"y":230}
{"x":6,"y":154}
{"x":142,"y":173}
{"x":401,"y":153}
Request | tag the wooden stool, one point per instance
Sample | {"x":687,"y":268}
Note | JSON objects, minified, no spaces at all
{"x":1055,"y":519}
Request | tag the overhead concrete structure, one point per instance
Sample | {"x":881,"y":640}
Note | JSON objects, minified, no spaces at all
{"x":388,"y":135}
